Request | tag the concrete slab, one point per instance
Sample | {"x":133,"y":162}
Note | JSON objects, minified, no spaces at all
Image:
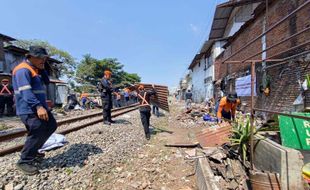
{"x":272,"y":157}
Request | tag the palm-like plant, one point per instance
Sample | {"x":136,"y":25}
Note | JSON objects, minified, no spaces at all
{"x":308,"y":81}
{"x":241,"y":135}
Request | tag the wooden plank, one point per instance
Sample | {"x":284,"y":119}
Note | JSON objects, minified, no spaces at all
{"x":184,"y":145}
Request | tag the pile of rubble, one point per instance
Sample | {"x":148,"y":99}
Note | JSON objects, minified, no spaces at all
{"x":194,"y":116}
{"x":228,"y":171}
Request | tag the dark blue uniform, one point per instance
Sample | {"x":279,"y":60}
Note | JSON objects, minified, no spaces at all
{"x":29,"y":94}
{"x":106,"y":96}
{"x":145,"y":110}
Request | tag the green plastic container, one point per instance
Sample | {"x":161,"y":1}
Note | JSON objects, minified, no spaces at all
{"x":295,"y":132}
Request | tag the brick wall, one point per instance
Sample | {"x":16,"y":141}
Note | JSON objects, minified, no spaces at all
{"x":284,"y":89}
{"x":284,"y":86}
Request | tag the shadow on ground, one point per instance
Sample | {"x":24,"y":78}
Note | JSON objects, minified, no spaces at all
{"x":122,"y":121}
{"x":76,"y":155}
{"x":155,"y":130}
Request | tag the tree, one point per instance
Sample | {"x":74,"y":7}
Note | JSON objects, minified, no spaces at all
{"x":67,"y":68}
{"x":90,"y":71}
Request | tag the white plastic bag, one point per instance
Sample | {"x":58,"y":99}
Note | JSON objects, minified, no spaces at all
{"x":305,"y":85}
{"x":299,"y":100}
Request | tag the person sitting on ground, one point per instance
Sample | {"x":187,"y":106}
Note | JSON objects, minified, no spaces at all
{"x":84,"y":98}
{"x":227,"y":107}
{"x":145,"y":108}
{"x":71,"y":101}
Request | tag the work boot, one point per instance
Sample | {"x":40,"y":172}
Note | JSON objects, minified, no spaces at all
{"x":148,"y":136}
{"x":27,"y":168}
{"x":106,"y":123}
{"x":112,"y":121}
{"x":40,"y":155}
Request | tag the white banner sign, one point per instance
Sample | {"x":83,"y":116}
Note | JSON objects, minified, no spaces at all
{"x":243,"y":86}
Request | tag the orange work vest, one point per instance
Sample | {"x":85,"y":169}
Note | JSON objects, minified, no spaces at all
{"x":24,"y":65}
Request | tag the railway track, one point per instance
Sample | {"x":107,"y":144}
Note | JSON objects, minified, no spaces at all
{"x":11,"y":142}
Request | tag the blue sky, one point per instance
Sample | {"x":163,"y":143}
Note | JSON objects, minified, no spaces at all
{"x":155,"y":38}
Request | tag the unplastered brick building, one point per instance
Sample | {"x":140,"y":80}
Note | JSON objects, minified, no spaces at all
{"x":286,"y":44}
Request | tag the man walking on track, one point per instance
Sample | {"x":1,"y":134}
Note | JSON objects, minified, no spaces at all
{"x":145,"y":108}
{"x":105,"y":88}
{"x":31,"y":106}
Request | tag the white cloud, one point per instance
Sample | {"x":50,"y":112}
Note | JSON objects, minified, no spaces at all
{"x":194,"y":28}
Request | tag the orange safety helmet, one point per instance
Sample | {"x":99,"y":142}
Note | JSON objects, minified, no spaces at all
{"x":107,"y":72}
{"x":141,"y":87}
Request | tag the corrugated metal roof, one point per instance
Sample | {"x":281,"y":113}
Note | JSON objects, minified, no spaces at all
{"x":222,"y":15}
{"x":24,"y":51}
{"x":6,"y":38}
{"x":239,"y":3}
{"x":220,"y":20}
{"x":16,"y":49}
{"x":206,"y":46}
{"x":194,"y":61}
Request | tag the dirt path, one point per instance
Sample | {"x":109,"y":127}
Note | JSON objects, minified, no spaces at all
{"x":155,"y":166}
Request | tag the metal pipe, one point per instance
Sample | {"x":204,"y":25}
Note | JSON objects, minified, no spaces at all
{"x":256,"y":61}
{"x":282,"y":41}
{"x":281,"y":113}
{"x":252,"y":115}
{"x":285,"y":60}
{"x":290,"y":49}
{"x":267,"y":31}
{"x":267,"y":15}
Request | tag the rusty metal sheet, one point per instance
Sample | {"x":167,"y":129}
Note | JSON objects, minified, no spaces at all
{"x":213,"y":137}
{"x":161,"y":100}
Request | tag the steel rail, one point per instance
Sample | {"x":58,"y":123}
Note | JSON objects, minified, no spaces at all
{"x":66,"y":131}
{"x":21,"y":132}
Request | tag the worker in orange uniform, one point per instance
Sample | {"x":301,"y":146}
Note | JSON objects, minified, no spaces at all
{"x":6,"y":97}
{"x":227,"y":107}
{"x":84,"y":97}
